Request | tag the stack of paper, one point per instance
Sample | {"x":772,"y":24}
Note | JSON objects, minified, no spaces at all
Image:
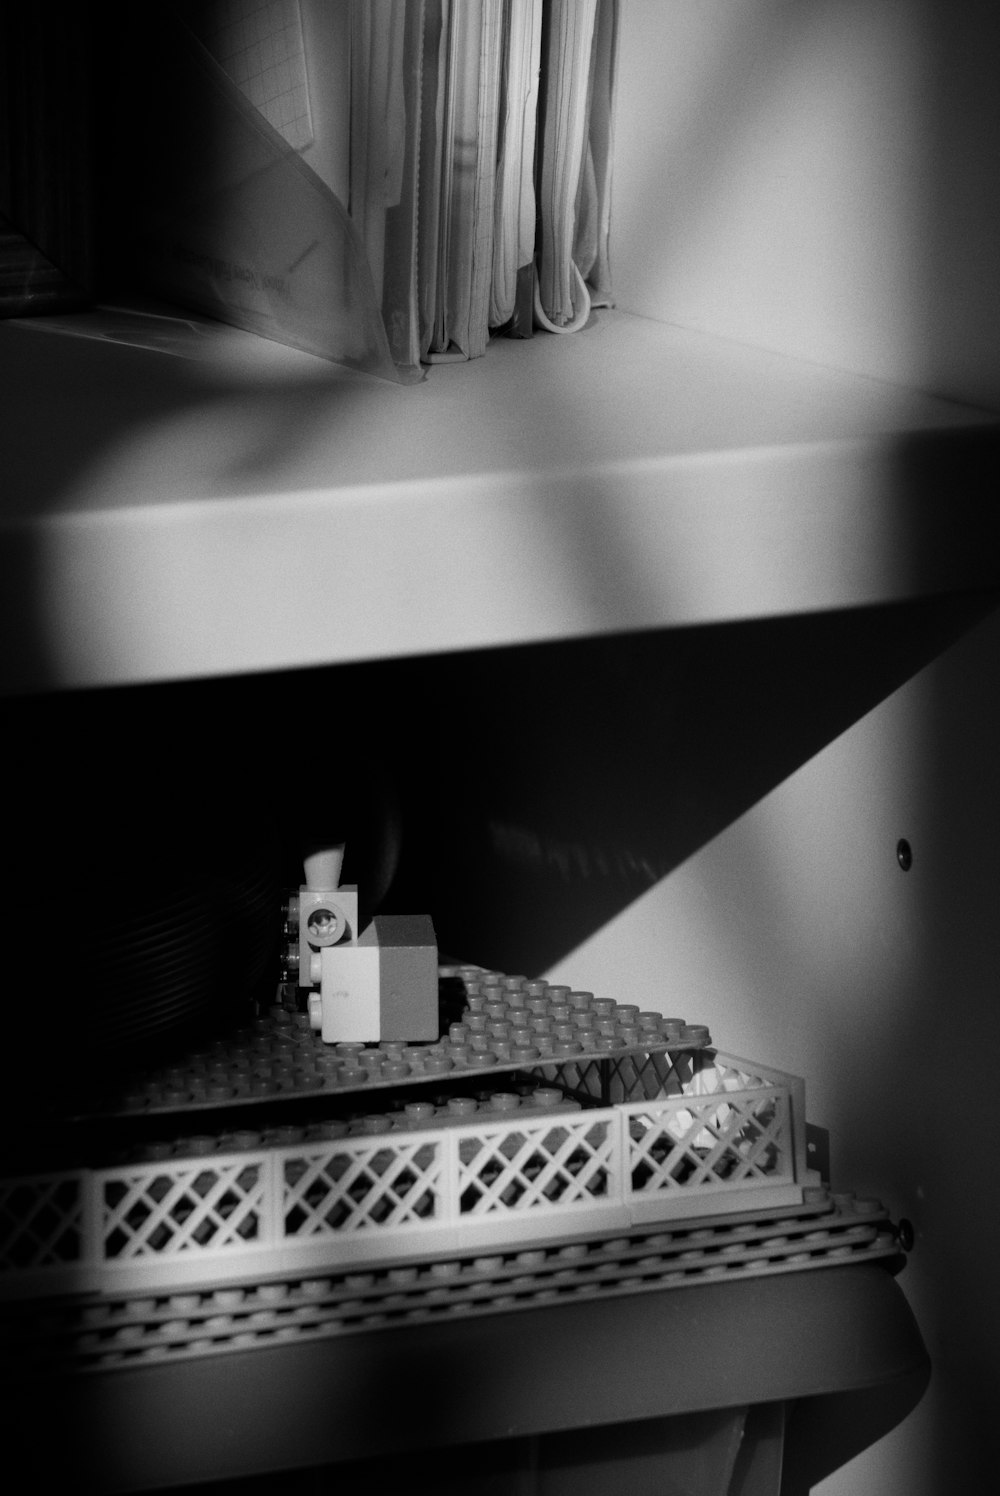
{"x":515,"y":168}
{"x":574,"y":186}
{"x":460,"y":176}
{"x":600,"y":145}
{"x":469,"y":141}
{"x":514,"y":218}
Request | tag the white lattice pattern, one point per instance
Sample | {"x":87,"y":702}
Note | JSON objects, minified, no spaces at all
{"x":537,"y":1166}
{"x":719,"y":1136}
{"x":742,"y":1140}
{"x":192,"y":1205}
{"x":361,"y":1185}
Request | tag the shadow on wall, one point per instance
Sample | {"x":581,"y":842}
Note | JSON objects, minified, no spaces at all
{"x":566,"y":780}
{"x":799,"y":938}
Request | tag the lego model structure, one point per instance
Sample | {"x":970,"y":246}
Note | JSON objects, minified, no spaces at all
{"x":371,"y":984}
{"x":282,"y":1183}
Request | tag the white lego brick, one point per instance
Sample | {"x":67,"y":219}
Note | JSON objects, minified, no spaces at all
{"x":336,"y":911}
{"x":350,"y":993}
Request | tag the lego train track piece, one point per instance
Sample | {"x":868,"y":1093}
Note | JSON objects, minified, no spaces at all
{"x":103,"y":1334}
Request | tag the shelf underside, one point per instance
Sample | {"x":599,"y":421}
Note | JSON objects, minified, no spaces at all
{"x":213,"y":504}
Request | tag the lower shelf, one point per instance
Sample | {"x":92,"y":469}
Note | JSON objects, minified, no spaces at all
{"x":845,"y":1333}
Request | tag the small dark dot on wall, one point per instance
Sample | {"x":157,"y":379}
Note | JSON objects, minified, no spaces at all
{"x":904,"y":854}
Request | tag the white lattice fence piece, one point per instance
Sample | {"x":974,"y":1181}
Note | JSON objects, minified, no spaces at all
{"x":538,"y":1166}
{"x":41,"y":1222}
{"x":184,"y":1207}
{"x":681,"y":1151}
{"x":361,"y":1185}
{"x":700,"y":1135}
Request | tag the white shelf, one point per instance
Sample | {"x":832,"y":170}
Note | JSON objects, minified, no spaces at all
{"x":245,"y":507}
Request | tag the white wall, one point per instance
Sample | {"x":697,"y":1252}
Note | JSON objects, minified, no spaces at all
{"x":798,"y":939}
{"x":819,"y":177}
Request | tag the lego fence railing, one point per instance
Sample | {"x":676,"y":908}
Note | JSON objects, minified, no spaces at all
{"x":732,"y":1140}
